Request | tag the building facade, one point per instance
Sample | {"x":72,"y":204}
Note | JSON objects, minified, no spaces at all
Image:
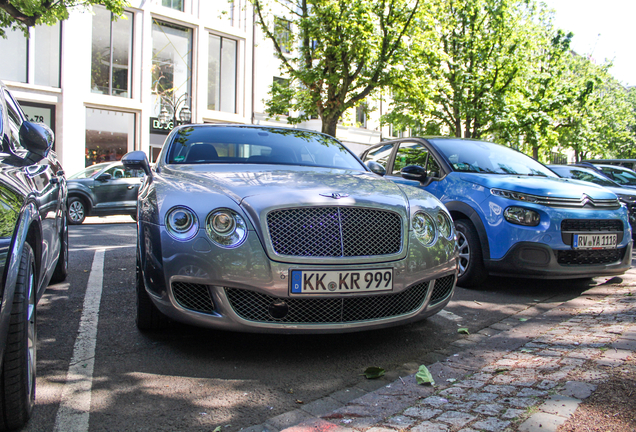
{"x":108,"y":86}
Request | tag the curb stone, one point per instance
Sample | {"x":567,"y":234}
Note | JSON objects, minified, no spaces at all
{"x":517,"y":379}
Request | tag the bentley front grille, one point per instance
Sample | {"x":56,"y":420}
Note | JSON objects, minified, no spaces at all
{"x":253,"y":306}
{"x":442,"y":289}
{"x":335,"y":232}
{"x":195,"y":297}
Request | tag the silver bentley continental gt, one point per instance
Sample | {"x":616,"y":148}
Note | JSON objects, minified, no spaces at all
{"x":270,"y":229}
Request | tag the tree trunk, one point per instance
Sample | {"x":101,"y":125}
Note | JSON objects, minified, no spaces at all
{"x":330,"y":124}
{"x":535,"y":153}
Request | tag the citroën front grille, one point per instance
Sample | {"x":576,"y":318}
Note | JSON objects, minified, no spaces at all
{"x":335,"y":232}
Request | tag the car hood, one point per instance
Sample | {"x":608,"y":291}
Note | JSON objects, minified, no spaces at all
{"x":541,"y":186}
{"x":269,"y":186}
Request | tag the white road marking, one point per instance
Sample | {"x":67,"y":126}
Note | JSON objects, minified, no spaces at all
{"x":75,"y":405}
{"x":449,"y":315}
{"x":101,"y":248}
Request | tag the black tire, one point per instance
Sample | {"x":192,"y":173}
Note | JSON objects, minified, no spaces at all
{"x":17,"y":375}
{"x":148,"y":318}
{"x":76,"y":211}
{"x":472,"y":271}
{"x":61,"y":268}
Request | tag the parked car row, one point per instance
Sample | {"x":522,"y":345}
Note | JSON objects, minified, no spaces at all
{"x":513,"y":215}
{"x":272,"y":229}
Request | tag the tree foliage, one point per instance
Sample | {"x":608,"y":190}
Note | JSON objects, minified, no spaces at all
{"x":21,"y":14}
{"x":336,"y":54}
{"x":465,"y":59}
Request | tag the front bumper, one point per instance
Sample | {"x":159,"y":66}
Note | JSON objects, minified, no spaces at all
{"x":537,"y":260}
{"x":242,"y":289}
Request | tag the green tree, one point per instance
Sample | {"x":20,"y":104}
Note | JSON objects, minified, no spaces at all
{"x":466,"y":59}
{"x":597,"y":122}
{"x":21,"y":14}
{"x":334,"y":52}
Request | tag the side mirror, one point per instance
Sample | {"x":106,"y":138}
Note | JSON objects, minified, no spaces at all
{"x":104,"y":177}
{"x":376,"y":168}
{"x":414,"y":172}
{"x":37,"y":138}
{"x":137,"y":160}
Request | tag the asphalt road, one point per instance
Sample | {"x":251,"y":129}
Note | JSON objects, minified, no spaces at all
{"x":197,"y":379}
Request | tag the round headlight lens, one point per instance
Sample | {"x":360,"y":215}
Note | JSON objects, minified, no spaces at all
{"x":424,"y":228}
{"x":226,"y":228}
{"x":182,"y":223}
{"x":444,"y":225}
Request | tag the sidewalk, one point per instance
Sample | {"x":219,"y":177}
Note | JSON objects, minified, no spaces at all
{"x":526,"y":373}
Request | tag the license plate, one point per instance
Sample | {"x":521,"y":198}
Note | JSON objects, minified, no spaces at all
{"x":340,"y":282}
{"x":595,"y":241}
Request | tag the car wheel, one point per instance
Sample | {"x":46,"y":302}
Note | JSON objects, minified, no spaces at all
{"x":17,"y":376}
{"x":148,"y":316}
{"x":472,"y":271}
{"x":76,"y":211}
{"x":61,"y":268}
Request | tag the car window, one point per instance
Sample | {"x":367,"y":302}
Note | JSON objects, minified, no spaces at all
{"x":590,"y":176}
{"x":89,"y":171}
{"x":410,"y":153}
{"x":120,"y":171}
{"x":380,"y":155}
{"x":488,"y":158}
{"x":620,"y":176}
{"x":15,"y":121}
{"x":210,"y":145}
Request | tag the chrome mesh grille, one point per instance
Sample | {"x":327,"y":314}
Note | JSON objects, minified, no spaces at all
{"x":194,"y":297}
{"x":442,"y":289}
{"x":335,"y":232}
{"x":583,"y":225}
{"x":253,"y":306}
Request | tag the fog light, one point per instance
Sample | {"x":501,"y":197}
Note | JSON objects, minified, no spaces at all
{"x":522,"y":216}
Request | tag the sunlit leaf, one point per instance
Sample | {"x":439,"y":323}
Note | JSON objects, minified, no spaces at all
{"x":423,"y":376}
{"x":463,"y":330}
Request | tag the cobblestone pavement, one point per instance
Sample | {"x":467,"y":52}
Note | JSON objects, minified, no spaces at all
{"x":526,"y":373}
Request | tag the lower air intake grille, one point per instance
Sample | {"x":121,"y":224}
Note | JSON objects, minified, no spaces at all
{"x":442,"y":289}
{"x":583,"y":225}
{"x":253,"y":306}
{"x":194,"y":297}
{"x":587,"y":257}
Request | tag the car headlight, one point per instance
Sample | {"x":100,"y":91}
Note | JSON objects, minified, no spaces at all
{"x":444,"y":225}
{"x":424,"y":228}
{"x":226,"y":228}
{"x":182,"y":223}
{"x":515,"y":195}
{"x":522,"y":216}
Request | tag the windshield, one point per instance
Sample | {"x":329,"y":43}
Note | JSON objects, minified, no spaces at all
{"x":583,"y":174}
{"x":622,"y":176}
{"x":250,"y":145}
{"x":89,"y":171}
{"x":488,"y":158}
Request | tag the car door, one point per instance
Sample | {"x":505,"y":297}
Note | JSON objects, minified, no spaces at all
{"x":43,"y":180}
{"x":395,"y":155}
{"x":115,"y":189}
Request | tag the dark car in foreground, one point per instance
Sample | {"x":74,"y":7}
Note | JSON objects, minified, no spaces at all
{"x":514,"y":217}
{"x":33,"y":250}
{"x":625,"y":194}
{"x":103,"y":189}
{"x":264,"y":229}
